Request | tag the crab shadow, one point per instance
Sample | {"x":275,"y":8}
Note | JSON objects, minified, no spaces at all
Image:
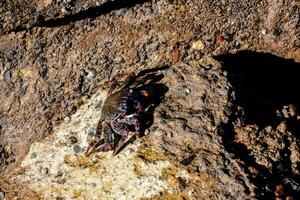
{"x":156,"y":92}
{"x":263,"y":84}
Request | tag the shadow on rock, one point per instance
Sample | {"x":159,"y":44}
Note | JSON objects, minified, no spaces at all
{"x":263,"y":84}
{"x":266,"y":89}
{"x":91,"y":13}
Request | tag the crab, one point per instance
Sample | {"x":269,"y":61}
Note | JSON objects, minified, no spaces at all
{"x":121,"y":112}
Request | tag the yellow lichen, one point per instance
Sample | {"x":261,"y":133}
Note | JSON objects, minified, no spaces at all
{"x":76,"y":193}
{"x":83,"y":161}
{"x":147,"y":155}
{"x":23,"y":73}
{"x":94,"y":169}
{"x":169,"y":175}
{"x":67,"y":159}
{"x":181,"y":8}
{"x":138,"y":170}
{"x":167,"y":195}
{"x":107,"y":185}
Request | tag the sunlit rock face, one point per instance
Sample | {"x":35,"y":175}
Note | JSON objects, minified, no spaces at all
{"x":56,"y":168}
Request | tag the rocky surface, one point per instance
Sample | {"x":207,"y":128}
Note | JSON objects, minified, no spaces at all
{"x":225,"y":130}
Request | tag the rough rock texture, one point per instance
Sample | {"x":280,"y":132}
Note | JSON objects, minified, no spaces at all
{"x":181,"y":153}
{"x":240,"y":140}
{"x":56,"y":168}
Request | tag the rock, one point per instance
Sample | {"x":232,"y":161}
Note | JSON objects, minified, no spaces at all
{"x":198,"y":45}
{"x":7,"y":76}
{"x":69,"y":45}
{"x":119,"y":12}
{"x":91,"y":73}
{"x":188,"y":91}
{"x":176,"y":56}
{"x":130,"y":56}
{"x":2,"y":194}
{"x":77,"y":149}
{"x":72,"y":140}
{"x":67,"y":119}
{"x":277,"y":32}
{"x":118,"y":60}
{"x":33,"y":155}
{"x":44,"y":171}
{"x":47,"y":46}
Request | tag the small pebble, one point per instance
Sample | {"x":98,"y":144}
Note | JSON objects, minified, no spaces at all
{"x":77,"y":149}
{"x":2,"y":195}
{"x":188,"y":91}
{"x":147,"y":131}
{"x":59,"y":173}
{"x":44,"y":171}
{"x":40,"y":59}
{"x":91,"y":132}
{"x":73,"y":140}
{"x":198,"y":45}
{"x":7,"y":76}
{"x":94,"y":61}
{"x":277,"y":32}
{"x":118,"y":60}
{"x":69,"y":45}
{"x":11,"y":135}
{"x":91,"y":73}
{"x":33,"y":155}
{"x":67,"y":119}
{"x":63,"y":10}
{"x":119,"y":12}
{"x":8,"y":65}
{"x":43,"y":71}
{"x":95,"y":160}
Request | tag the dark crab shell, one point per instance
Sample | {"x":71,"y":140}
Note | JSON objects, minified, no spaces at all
{"x":123,"y":111}
{"x":114,"y":105}
{"x":121,"y":102}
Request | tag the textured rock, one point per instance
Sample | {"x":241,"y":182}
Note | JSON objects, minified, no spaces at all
{"x":55,"y":54}
{"x":70,"y":175}
{"x":181,"y":153}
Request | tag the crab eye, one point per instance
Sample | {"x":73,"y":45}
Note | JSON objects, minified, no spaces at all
{"x":123,"y":106}
{"x":145,"y":93}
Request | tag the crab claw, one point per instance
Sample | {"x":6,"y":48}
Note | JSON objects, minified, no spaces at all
{"x":119,"y":146}
{"x":93,"y":146}
{"x":90,"y":150}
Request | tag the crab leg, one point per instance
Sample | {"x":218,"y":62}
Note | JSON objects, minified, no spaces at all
{"x":108,"y":143}
{"x":133,"y":119}
{"x":120,"y":84}
{"x":122,"y":130}
{"x":96,"y":141}
{"x":109,"y":138}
